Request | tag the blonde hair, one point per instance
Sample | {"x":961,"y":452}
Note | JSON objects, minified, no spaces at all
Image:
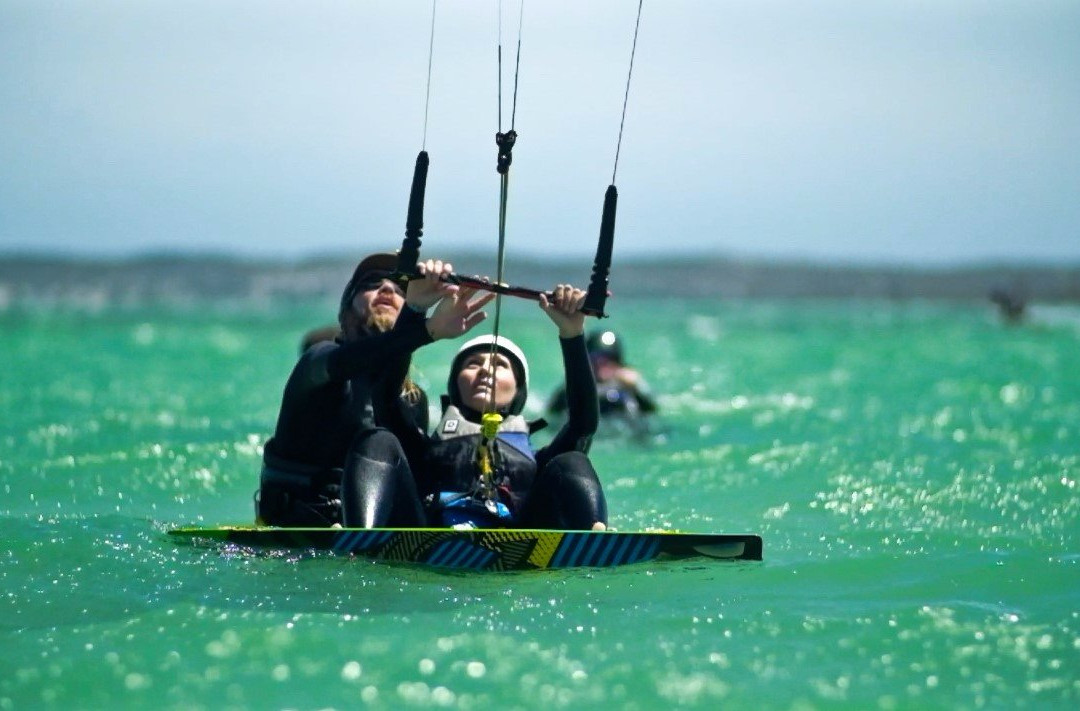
{"x":410,"y":391}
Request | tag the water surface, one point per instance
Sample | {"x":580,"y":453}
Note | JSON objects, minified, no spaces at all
{"x":912,"y":467}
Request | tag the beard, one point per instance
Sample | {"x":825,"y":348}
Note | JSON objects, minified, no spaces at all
{"x":381,"y":322}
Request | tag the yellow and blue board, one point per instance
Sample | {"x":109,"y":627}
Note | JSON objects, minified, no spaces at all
{"x":490,"y":549}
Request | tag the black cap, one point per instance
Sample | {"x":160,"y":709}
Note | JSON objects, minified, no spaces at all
{"x":381,"y":264}
{"x":606,"y":344}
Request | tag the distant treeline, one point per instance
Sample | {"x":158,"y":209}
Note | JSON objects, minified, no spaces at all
{"x":184,"y":278}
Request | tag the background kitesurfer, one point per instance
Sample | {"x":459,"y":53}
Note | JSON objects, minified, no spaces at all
{"x":1011,"y":304}
{"x":342,"y":389}
{"x":621,"y":390}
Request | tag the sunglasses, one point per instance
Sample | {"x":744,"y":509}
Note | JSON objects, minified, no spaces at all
{"x":373,"y":281}
{"x":376,"y":283}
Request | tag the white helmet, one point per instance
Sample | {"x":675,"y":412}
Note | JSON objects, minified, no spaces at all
{"x":506,"y":347}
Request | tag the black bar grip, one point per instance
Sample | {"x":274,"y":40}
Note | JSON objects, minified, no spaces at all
{"x":596,"y":297}
{"x":414,"y":221}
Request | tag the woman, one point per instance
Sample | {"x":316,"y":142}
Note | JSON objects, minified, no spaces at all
{"x":554,"y":487}
{"x":341,"y":390}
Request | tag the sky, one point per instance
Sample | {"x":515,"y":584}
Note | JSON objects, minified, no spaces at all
{"x":842,"y":131}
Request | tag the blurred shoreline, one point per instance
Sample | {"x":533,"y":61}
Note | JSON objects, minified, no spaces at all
{"x":46,"y":279}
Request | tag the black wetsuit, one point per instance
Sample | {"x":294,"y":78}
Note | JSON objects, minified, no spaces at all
{"x":336,"y":396}
{"x":612,"y":398}
{"x":555,"y":487}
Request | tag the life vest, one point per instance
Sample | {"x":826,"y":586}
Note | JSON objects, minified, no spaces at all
{"x":452,"y":455}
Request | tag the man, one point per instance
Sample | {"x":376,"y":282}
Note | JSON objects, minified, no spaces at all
{"x":342,"y":390}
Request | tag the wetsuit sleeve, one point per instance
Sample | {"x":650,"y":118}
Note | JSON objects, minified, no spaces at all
{"x":406,"y":417}
{"x":583,"y":412}
{"x":410,"y":318}
{"x":377,"y":350}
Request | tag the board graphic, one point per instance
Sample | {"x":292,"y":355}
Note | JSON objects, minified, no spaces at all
{"x":490,"y":549}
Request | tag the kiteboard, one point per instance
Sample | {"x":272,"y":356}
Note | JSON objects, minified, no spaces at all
{"x":488,"y":549}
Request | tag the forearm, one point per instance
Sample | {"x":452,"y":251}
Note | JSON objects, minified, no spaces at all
{"x":583,"y":414}
{"x":374,"y":352}
{"x":403,"y":413}
{"x":580,"y":385}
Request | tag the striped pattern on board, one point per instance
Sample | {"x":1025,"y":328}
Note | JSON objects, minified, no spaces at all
{"x":492,"y":549}
{"x":360,"y":541}
{"x":587,"y":549}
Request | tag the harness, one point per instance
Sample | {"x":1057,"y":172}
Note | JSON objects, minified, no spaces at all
{"x":461,"y":501}
{"x":514,"y":430}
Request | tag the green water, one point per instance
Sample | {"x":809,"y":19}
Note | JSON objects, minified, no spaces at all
{"x":912,"y":468}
